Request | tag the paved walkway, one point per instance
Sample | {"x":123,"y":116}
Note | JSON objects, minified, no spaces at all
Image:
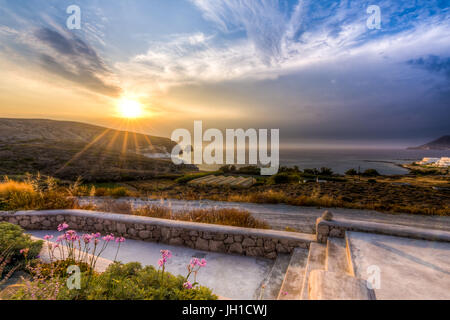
{"x":409,"y":269}
{"x":230,"y":276}
{"x":303,"y":219}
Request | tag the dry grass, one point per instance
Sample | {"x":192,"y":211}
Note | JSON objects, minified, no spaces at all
{"x":34,"y":194}
{"x":227,"y":217}
{"x":276,"y":197}
{"x":9,"y":188}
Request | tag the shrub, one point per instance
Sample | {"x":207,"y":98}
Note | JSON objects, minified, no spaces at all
{"x":119,"y":192}
{"x":311,"y":172}
{"x":34,"y":194}
{"x":250,"y":170}
{"x":119,"y":282}
{"x":326,"y":171}
{"x":351,"y":172}
{"x":14,"y":240}
{"x":16,"y":194}
{"x":281,"y":178}
{"x":284,"y":177}
{"x":225,"y":216}
{"x":133,"y":282}
{"x":370,"y":173}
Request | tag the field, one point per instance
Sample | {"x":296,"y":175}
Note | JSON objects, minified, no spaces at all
{"x":405,"y":194}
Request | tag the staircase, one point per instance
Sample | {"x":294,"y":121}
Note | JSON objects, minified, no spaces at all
{"x":324,"y":272}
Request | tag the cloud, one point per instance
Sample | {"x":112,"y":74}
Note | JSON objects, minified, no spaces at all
{"x":65,"y":55}
{"x":74,"y":60}
{"x":433,"y":64}
{"x":279,"y":40}
{"x":262,"y":20}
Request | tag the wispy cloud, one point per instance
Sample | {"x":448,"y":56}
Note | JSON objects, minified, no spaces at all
{"x":67,"y":56}
{"x":434,"y":64}
{"x":278,"y":40}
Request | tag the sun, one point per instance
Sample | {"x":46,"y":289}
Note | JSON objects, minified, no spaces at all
{"x":130,"y":109}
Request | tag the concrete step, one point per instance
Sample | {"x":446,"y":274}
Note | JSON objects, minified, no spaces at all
{"x":325,"y":285}
{"x":316,"y":261}
{"x":337,"y":260}
{"x":271,"y":284}
{"x":291,"y":289}
{"x":402,"y":268}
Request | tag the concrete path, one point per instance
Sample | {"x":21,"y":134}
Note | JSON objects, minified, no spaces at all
{"x":302,"y":219}
{"x":230,"y":276}
{"x":409,"y":269}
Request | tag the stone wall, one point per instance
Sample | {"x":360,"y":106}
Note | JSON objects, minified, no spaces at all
{"x":338,"y":228}
{"x":243,"y":241}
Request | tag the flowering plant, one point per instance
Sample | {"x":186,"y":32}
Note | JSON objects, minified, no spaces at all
{"x":193,"y":267}
{"x":86,"y":248}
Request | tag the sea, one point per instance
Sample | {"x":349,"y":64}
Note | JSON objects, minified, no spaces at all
{"x":385,"y":161}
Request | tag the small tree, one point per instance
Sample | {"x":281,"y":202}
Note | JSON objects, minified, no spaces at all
{"x":370,"y":173}
{"x":351,"y":172}
{"x":326,"y":171}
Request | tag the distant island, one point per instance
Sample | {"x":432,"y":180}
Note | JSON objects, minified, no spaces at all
{"x":443,"y":143}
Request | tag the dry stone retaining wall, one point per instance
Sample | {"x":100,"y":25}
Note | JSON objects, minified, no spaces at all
{"x":243,"y":241}
{"x":338,"y":228}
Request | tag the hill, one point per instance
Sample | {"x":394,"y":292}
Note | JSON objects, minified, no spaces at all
{"x":443,"y":143}
{"x":68,"y":150}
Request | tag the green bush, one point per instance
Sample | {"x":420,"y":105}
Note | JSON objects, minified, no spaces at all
{"x":370,"y":173}
{"x":13,"y":239}
{"x":250,"y":170}
{"x":119,"y":192}
{"x":351,"y":172}
{"x":283,"y":178}
{"x":325,"y":171}
{"x":133,"y":282}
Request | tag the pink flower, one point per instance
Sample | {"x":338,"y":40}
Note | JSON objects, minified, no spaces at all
{"x":24,"y":251}
{"x":166,"y":254}
{"x":63,"y":226}
{"x":197,"y":262}
{"x":72,"y":235}
{"x":161,"y":262}
{"x":120,"y":239}
{"x":108,"y":238}
{"x":60,"y":238}
{"x":87,"y":238}
{"x":187,"y":285}
{"x":48,"y":237}
{"x":194,"y":262}
{"x":284,"y":293}
{"x":202,"y":263}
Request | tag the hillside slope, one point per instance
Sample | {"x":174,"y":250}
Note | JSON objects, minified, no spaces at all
{"x":69,"y":150}
{"x":36,"y":130}
{"x":443,"y":143}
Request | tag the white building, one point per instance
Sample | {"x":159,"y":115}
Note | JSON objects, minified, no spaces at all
{"x":427,"y":161}
{"x":436,"y":162}
{"x":444,"y":162}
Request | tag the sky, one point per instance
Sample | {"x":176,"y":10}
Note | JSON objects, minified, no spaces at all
{"x":312,"y":69}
